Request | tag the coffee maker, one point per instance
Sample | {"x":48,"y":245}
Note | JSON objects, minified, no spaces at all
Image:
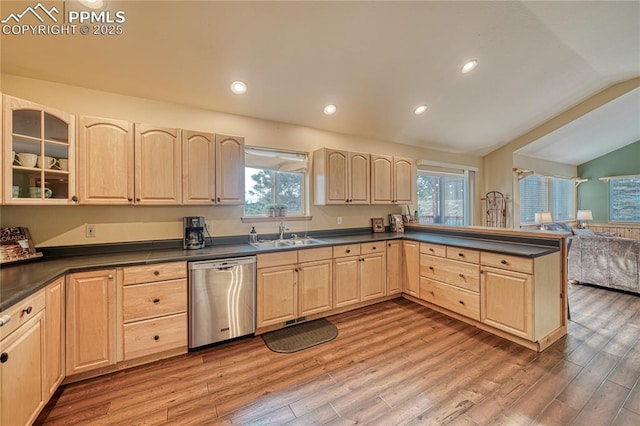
{"x":193,"y":233}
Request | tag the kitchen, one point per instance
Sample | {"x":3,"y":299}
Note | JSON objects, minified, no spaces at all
{"x":130,"y":222}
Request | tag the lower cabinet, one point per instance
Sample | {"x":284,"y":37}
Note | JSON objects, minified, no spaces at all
{"x":154,"y":309}
{"x":360,"y":273}
{"x":395,"y":267}
{"x":22,"y":358}
{"x":90,"y":321}
{"x":411,"y":271}
{"x":292,"y":285}
{"x":54,"y":336}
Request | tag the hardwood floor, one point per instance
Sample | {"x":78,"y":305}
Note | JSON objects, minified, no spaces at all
{"x":392,"y":363}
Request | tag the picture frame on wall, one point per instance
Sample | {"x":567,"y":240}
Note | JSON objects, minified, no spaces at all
{"x":377,"y":224}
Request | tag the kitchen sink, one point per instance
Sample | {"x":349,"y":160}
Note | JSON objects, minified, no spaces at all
{"x":293,"y":242}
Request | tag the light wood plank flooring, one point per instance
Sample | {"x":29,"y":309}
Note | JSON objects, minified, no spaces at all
{"x":393,"y":363}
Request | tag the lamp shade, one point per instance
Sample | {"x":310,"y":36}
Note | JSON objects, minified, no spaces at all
{"x":584,"y":215}
{"x":543,"y":217}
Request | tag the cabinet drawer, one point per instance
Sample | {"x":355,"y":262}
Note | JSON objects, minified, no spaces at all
{"x":311,"y":255}
{"x":155,"y":335}
{"x":277,"y":259}
{"x":346,"y":250}
{"x":452,"y":298}
{"x":377,"y":247}
{"x":21,"y":312}
{"x":433,"y":249}
{"x":154,"y":299}
{"x":156,"y":272}
{"x":464,"y":255}
{"x":511,"y":263}
{"x":461,"y":274}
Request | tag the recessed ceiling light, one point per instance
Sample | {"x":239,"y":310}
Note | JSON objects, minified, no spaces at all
{"x":330,"y":109}
{"x":420,"y":109}
{"x":238,"y":87}
{"x":469,"y":66}
{"x":92,"y":4}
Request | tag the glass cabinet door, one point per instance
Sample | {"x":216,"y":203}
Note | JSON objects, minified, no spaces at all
{"x":40,"y":142}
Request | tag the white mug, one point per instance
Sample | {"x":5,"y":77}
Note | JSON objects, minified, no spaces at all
{"x":27,"y":160}
{"x":36,"y":191}
{"x":48,"y":162}
{"x":63,"y":163}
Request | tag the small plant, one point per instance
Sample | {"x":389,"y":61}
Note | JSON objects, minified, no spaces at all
{"x":281,"y":209}
{"x":272,"y":210}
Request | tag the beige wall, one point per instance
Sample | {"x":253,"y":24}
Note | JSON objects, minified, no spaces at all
{"x":65,"y":225}
{"x":498,"y":165}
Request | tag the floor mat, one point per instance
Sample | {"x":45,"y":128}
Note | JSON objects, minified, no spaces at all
{"x":301,"y":336}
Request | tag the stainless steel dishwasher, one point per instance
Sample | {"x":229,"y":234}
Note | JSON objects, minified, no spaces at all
{"x":221,"y":300}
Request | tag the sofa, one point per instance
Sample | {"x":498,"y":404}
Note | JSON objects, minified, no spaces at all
{"x":604,"y":260}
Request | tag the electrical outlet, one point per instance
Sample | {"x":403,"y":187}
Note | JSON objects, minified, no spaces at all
{"x":90,"y":231}
{"x":339,"y":220}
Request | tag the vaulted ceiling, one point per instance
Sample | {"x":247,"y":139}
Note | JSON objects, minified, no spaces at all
{"x":376,"y":61}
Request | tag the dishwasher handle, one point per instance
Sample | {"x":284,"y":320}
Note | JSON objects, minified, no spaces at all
{"x":222,"y":265}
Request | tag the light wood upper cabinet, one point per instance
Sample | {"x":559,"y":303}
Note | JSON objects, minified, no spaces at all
{"x":392,"y":180}
{"x":38,"y":154}
{"x":54,"y":336}
{"x":198,"y":168}
{"x":91,"y":320}
{"x":158,"y":177}
{"x":340,"y":177}
{"x":105,"y":161}
{"x":229,"y":170}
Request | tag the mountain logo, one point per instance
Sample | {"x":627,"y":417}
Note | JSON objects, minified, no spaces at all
{"x":34,"y":11}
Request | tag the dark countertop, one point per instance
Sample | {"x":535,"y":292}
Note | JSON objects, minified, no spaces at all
{"x":21,"y":280}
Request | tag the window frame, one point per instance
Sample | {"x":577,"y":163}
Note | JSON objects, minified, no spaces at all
{"x":611,"y":182}
{"x":550,"y":189}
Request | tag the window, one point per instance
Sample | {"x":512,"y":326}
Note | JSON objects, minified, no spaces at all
{"x":276,"y":180}
{"x":624,"y":199}
{"x":546,"y":194}
{"x":441,"y":198}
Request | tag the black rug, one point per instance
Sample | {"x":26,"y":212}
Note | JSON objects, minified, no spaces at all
{"x":301,"y":336}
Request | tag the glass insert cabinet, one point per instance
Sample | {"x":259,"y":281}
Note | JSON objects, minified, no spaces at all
{"x":38,"y":154}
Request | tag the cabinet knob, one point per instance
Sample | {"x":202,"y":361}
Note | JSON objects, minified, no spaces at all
{"x":461,"y":276}
{"x":213,"y":199}
{"x":389,"y":245}
{"x":348,"y":251}
{"x":461,"y":302}
{"x":375,"y":248}
{"x":432,"y":250}
{"x":74,"y":198}
{"x":4,"y":357}
{"x":156,"y":337}
{"x":130,"y":199}
{"x":110,"y":276}
{"x":156,"y":273}
{"x":431,"y":268}
{"x":27,"y":310}
{"x":156,"y":300}
{"x":504,"y":262}
{"x":218,"y":199}
{"x":138,"y":199}
{"x":461,"y":254}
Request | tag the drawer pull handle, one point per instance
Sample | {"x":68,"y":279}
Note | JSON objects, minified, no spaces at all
{"x":461,"y":254}
{"x":389,"y":245}
{"x":432,"y":250}
{"x":5,"y":319}
{"x":431,"y":268}
{"x":4,"y":357}
{"x":156,"y":337}
{"x":28,"y":310}
{"x":374,"y":248}
{"x":156,"y":300}
{"x":461,"y":276}
{"x":156,"y":273}
{"x":461,"y":302}
{"x":348,"y":251}
{"x":504,"y":262}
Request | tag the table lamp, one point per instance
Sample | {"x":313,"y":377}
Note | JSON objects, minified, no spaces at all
{"x":542,"y":219}
{"x":583,"y":216}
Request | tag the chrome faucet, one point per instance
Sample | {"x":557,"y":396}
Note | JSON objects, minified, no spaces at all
{"x":281,"y":228}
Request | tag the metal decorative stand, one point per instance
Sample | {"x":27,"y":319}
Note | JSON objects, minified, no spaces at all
{"x":496,"y":209}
